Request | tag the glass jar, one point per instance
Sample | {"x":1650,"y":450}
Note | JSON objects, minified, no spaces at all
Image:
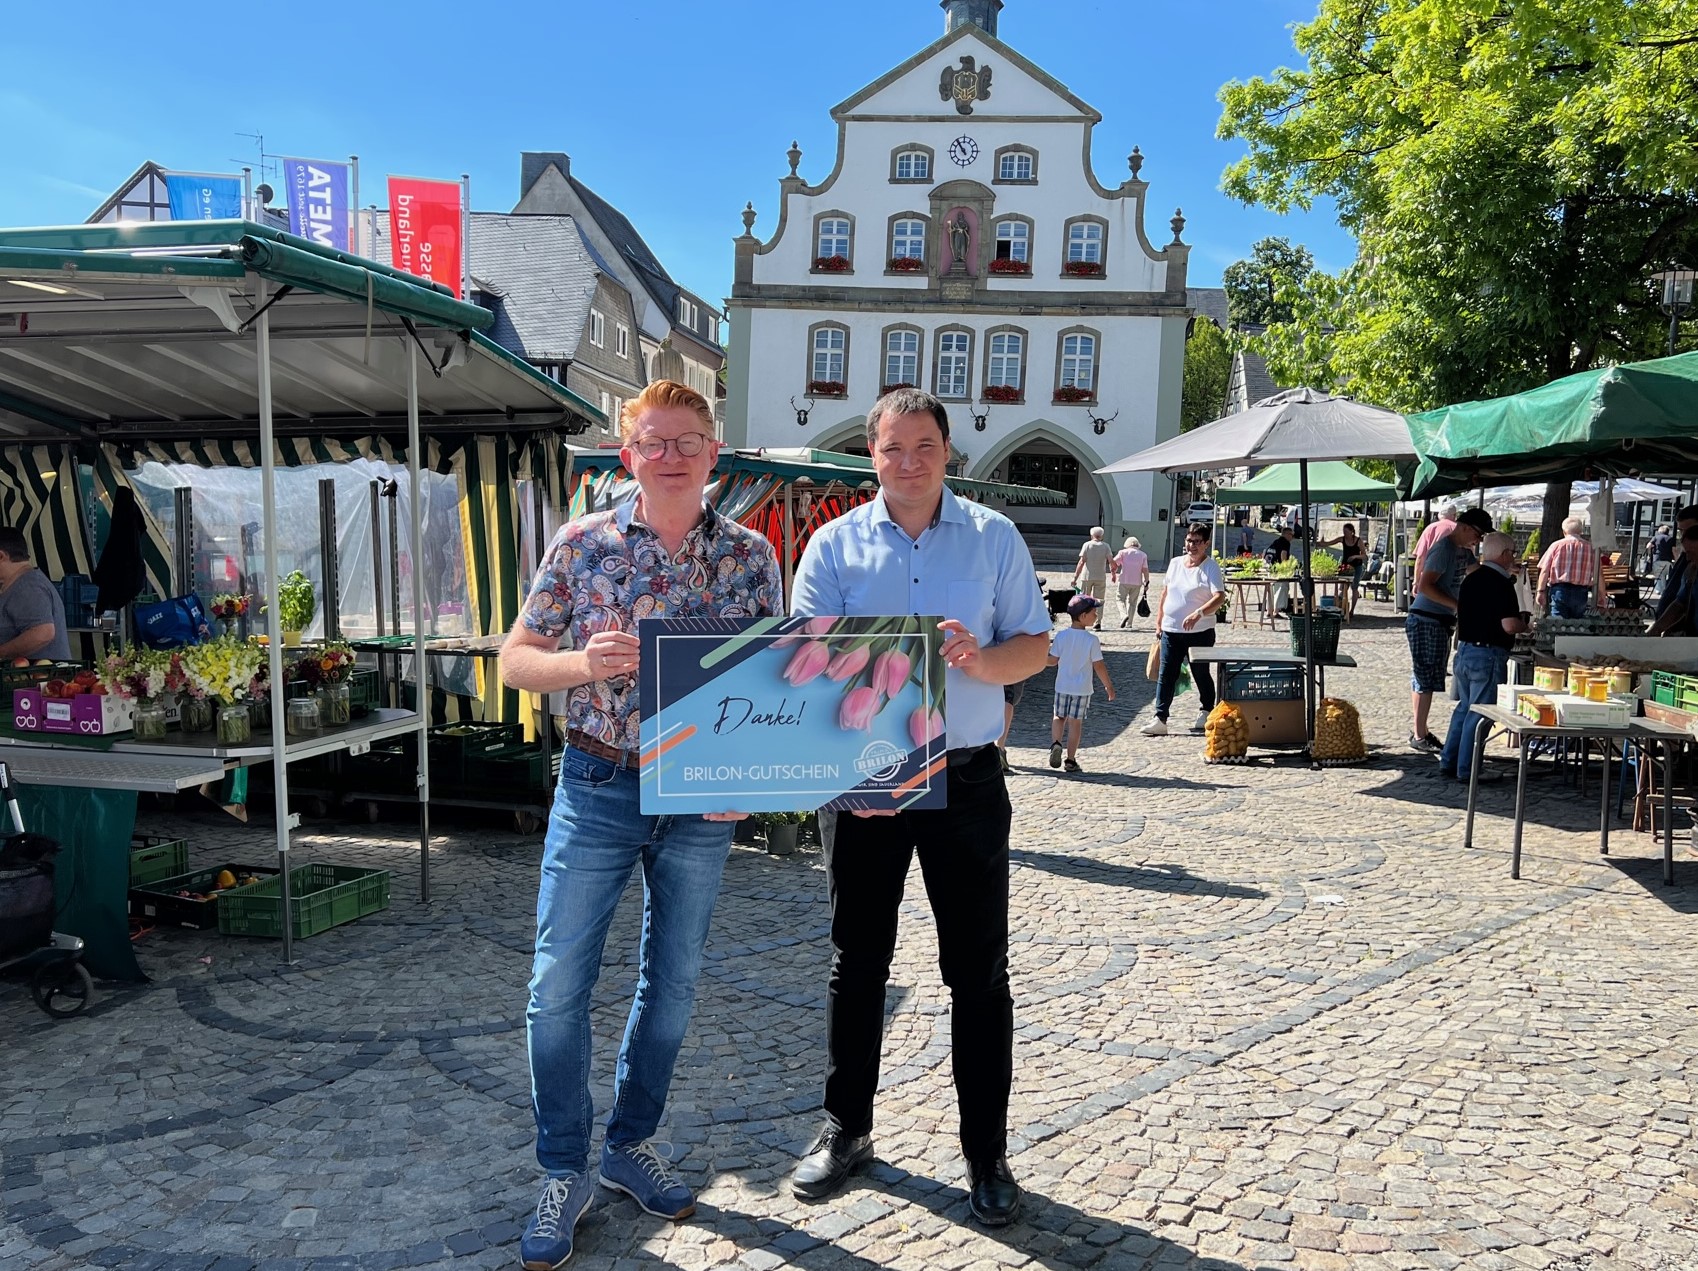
{"x":149,"y":721}
{"x":234,"y":729}
{"x":333,"y":705}
{"x":196,"y":714}
{"x":259,"y":711}
{"x":301,"y":717}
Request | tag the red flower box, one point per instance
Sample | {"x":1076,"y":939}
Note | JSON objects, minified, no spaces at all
{"x":1072,"y":393}
{"x":1083,"y":268}
{"x":827,"y":388}
{"x":832,"y":264}
{"x":1000,"y":393}
{"x":1004,"y":265}
{"x":905,"y":264}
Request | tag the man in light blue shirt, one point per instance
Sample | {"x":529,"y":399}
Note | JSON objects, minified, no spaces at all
{"x":918,"y":549}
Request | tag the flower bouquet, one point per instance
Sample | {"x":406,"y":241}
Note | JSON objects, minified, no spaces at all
{"x":227,"y":607}
{"x":144,"y":676}
{"x":224,"y":671}
{"x":873,"y":665}
{"x":328,"y":671}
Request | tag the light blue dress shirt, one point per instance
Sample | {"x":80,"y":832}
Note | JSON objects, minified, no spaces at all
{"x":970,"y":565}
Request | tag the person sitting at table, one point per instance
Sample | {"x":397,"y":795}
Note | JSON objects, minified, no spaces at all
{"x":32,"y":615}
{"x":1488,"y":618}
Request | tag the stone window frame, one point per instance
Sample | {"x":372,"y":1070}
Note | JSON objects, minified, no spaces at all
{"x":954,"y":328}
{"x":1009,"y":218}
{"x":1004,"y":151}
{"x":819,"y":219}
{"x":813,"y":334}
{"x":913,"y":147}
{"x":989,"y":339}
{"x":1096,"y":361}
{"x":1067,"y":243}
{"x":907,"y":328}
{"x":890,"y":241}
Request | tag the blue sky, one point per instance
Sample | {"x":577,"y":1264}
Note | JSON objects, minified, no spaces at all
{"x":678,"y":113}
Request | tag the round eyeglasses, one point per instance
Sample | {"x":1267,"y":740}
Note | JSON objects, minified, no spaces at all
{"x":689,"y":445}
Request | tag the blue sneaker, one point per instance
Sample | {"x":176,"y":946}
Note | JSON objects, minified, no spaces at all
{"x":642,"y":1173}
{"x":547,"y":1242}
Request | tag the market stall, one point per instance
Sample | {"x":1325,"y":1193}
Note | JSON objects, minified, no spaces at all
{"x":201,"y":336}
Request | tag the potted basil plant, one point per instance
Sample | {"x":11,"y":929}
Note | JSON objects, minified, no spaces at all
{"x":296,"y":605}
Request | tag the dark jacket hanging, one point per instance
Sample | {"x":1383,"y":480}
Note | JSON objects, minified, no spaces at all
{"x":119,"y":573}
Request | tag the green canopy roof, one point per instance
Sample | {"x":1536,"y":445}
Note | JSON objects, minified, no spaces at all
{"x":1617,"y":420}
{"x":1329,"y":482}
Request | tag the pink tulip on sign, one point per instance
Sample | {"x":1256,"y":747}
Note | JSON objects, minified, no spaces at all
{"x":812,"y":627}
{"x":847,"y":664}
{"x":890,"y":672}
{"x":859,"y":707}
{"x":923,"y":725}
{"x":807,"y":663}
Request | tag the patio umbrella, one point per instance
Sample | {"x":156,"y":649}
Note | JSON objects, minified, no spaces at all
{"x":1619,"y":420}
{"x":1294,"y":426}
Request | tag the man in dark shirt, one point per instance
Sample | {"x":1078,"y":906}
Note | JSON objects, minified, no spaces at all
{"x":1674,"y":574}
{"x":1488,"y":618}
{"x":1275,"y":552}
{"x":1677,"y":611}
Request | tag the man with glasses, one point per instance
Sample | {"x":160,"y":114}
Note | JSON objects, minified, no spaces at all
{"x":917,"y":549}
{"x":666,"y":555}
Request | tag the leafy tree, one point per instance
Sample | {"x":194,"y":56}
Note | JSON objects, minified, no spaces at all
{"x":1208,"y":368}
{"x":1257,"y":288}
{"x":1512,"y":172}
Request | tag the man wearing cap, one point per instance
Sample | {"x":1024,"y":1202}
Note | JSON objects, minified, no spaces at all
{"x":1432,"y":617}
{"x":1567,"y":572}
{"x":918,"y":549}
{"x":1076,"y":654}
{"x":32,"y":615}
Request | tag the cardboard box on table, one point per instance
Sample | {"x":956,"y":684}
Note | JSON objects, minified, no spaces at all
{"x":86,"y":714}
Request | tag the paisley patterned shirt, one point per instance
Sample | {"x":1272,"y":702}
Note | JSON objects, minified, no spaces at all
{"x":608,"y":571}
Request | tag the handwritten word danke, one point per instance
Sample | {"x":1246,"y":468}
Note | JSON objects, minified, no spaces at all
{"x":734,"y":712}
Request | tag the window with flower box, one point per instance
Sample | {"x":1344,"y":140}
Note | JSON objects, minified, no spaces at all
{"x":912,"y":162}
{"x":1087,"y":243}
{"x":907,"y":243}
{"x":1016,"y":165}
{"x":828,"y":363}
{"x":954,"y":364}
{"x":1013,"y":247}
{"x":1076,"y":365}
{"x":1005,"y":365}
{"x":834,"y":243}
{"x":901,"y":358}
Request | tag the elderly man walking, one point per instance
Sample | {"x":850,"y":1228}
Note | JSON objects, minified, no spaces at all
{"x":671,"y":556}
{"x":1094,"y":557}
{"x":1567,"y":572}
{"x":917,"y":549}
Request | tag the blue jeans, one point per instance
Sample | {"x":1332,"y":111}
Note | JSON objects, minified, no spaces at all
{"x":1176,"y":649}
{"x":1568,"y":600}
{"x":596,"y":836}
{"x":1479,"y":669}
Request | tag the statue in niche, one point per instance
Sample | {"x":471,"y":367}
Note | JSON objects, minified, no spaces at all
{"x":959,"y":235}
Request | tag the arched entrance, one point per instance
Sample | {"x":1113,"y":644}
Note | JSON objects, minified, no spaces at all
{"x":1043,"y":454}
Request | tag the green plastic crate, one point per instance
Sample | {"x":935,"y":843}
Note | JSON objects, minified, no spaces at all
{"x":362,"y":692}
{"x":153,"y":858}
{"x":1326,"y":623}
{"x":516,"y":769}
{"x":158,"y":902}
{"x":321,"y":897}
{"x":1664,"y":688}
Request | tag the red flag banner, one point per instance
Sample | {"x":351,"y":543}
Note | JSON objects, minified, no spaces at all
{"x":424,"y":229}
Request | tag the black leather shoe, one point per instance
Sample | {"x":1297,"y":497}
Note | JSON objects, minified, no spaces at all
{"x":995,"y":1196}
{"x":836,"y":1154}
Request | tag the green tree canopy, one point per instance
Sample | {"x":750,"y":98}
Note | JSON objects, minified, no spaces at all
{"x":1258,"y":289}
{"x":1208,"y":367}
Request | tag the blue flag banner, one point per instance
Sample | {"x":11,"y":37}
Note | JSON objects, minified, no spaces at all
{"x":319,"y":207}
{"x":204,"y":198}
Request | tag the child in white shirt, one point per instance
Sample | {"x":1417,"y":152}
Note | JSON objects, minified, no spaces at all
{"x":1075,"y":653}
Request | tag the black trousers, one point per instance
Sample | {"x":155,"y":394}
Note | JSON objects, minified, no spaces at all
{"x":963,"y":852}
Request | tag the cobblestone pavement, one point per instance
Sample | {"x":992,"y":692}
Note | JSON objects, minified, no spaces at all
{"x":1267,"y":1017}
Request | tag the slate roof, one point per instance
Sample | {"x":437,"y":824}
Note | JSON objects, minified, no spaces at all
{"x":540,"y":274}
{"x":1209,"y":302}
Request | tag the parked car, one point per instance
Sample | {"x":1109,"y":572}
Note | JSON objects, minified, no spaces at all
{"x":1200,"y":514}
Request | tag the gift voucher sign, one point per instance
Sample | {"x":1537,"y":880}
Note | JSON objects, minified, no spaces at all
{"x":791,"y":714}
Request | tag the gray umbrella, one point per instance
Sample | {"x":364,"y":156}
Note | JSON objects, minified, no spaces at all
{"x":1293,"y":426}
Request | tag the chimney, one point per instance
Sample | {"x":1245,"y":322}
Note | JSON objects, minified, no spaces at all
{"x":979,"y":13}
{"x":533,"y":163}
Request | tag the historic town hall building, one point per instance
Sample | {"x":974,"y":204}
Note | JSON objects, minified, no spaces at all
{"x":962,"y":242}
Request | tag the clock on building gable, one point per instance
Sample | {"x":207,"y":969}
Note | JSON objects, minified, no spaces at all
{"x":963,"y":150}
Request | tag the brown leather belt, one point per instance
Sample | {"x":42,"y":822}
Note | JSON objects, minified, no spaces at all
{"x":601,"y":750}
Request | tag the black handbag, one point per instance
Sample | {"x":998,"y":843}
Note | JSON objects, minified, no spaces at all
{"x":1143,"y":606}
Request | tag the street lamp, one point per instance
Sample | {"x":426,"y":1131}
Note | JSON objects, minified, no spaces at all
{"x":1677,"y":284}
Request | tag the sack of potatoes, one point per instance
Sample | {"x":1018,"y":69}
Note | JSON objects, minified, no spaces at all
{"x":1226,"y":735}
{"x":1338,"y":731}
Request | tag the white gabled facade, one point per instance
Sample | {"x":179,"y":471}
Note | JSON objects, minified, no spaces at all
{"x":1036,"y":306}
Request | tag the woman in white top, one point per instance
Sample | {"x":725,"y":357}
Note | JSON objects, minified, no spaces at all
{"x":1193,"y":595}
